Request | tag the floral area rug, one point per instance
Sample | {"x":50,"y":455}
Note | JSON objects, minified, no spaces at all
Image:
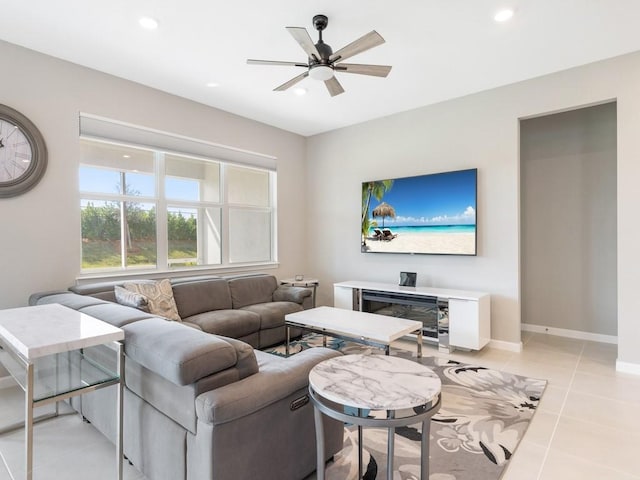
{"x":483,"y":417}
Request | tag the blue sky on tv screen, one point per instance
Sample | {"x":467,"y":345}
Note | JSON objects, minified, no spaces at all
{"x":438,"y":199}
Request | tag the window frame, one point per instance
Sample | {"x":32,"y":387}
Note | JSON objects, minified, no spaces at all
{"x":163,"y":204}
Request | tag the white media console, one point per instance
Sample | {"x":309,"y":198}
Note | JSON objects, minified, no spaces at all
{"x":451,"y":318}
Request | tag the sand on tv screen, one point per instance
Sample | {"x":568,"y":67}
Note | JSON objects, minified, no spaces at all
{"x":425,"y":214}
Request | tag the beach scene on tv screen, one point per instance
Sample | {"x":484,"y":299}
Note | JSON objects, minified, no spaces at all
{"x":428,"y":214}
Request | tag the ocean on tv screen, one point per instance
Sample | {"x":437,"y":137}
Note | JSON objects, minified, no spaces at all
{"x":427,"y":229}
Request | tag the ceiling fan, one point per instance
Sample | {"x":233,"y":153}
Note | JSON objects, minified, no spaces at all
{"x":323,"y":62}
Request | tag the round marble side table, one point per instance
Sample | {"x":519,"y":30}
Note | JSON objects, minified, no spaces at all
{"x":353,"y":388}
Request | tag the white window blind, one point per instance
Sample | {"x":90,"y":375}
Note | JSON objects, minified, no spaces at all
{"x":100,"y":128}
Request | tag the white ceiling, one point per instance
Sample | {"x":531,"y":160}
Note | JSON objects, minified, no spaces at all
{"x":439,"y":49}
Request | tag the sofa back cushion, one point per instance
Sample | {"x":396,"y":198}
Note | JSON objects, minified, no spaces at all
{"x":101,"y":290}
{"x":201,"y":296}
{"x":178,"y":353}
{"x":251,"y":290}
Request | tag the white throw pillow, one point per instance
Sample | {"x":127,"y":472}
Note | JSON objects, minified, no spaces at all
{"x":159,"y":297}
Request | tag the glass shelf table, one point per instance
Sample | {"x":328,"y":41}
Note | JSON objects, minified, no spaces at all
{"x":55,"y":353}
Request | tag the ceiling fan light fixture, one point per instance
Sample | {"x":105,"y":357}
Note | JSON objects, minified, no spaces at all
{"x":321,"y":72}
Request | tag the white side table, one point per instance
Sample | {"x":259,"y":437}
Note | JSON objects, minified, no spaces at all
{"x":406,"y":391}
{"x":305,"y":282}
{"x":43,"y":348}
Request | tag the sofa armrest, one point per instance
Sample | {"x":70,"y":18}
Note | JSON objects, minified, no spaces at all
{"x":276,"y":380}
{"x":291,"y":294}
{"x":37,"y":298}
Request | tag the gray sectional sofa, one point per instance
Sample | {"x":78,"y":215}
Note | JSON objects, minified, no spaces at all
{"x":200,"y":404}
{"x":250,"y":308}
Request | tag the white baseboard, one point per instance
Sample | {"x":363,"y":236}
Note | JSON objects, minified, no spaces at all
{"x":6,"y":382}
{"x":563,"y":332}
{"x":626,"y":367}
{"x":510,"y":346}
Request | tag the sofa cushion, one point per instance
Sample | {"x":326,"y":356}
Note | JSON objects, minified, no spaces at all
{"x":230,"y":323}
{"x":115,"y":314}
{"x":251,"y":290}
{"x":67,"y":299}
{"x":159,"y":295}
{"x":131,"y":299}
{"x":200,"y":296}
{"x":272,"y":313}
{"x":181,"y":355}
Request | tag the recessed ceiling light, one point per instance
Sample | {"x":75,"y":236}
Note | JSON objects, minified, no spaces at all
{"x":503,"y":15}
{"x":148,"y":23}
{"x":300,"y":91}
{"x":126,"y":156}
{"x":213,"y":84}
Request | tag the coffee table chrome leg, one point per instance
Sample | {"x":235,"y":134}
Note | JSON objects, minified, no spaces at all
{"x":390,"y":446}
{"x":119,"y":411}
{"x":317,"y":417}
{"x":424,"y":450}
{"x":286,"y":348}
{"x":419,"y":339}
{"x":359,"y":445}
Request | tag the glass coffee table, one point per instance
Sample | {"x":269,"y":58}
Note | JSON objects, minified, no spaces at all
{"x":55,"y":353}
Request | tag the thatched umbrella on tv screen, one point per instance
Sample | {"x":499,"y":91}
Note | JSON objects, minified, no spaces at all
{"x":384,"y":210}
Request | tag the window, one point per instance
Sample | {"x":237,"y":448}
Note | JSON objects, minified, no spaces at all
{"x":147,"y":209}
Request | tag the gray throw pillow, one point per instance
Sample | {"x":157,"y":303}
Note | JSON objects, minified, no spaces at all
{"x":160,"y":297}
{"x":131,"y":299}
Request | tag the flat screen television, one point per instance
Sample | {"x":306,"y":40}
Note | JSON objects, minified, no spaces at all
{"x":426,"y":214}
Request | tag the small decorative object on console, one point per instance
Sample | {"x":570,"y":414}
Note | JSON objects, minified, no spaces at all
{"x":408,"y":279}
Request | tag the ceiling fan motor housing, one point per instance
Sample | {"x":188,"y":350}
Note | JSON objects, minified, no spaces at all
{"x":325,"y":52}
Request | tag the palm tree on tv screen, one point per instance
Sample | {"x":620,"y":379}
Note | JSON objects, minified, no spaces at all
{"x":377,"y":190}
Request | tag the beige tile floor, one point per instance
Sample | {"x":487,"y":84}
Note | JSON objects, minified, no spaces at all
{"x":587,"y":426}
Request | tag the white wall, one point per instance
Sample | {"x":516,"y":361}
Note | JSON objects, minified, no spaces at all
{"x":568,"y":208}
{"x":479,"y":130}
{"x":39,"y":244}
{"x":40,"y":232}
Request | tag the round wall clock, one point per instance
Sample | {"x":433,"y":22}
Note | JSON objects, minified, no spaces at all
{"x":23,"y":153}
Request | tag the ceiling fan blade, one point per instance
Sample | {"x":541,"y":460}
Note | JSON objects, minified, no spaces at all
{"x":375,"y":70}
{"x":370,"y":40}
{"x":291,"y":82}
{"x":302,"y":37}
{"x":334,"y":87}
{"x":275,"y":62}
